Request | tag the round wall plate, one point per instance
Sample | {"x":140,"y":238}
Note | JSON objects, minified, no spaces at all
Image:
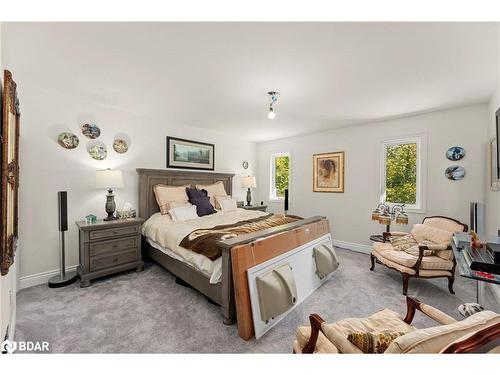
{"x":455,"y":172}
{"x":455,"y":153}
{"x":68,"y":140}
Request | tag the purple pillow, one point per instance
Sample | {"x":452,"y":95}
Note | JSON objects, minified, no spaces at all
{"x":203,"y":206}
{"x":195,"y":193}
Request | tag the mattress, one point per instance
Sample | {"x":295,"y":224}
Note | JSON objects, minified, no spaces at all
{"x":165,"y":235}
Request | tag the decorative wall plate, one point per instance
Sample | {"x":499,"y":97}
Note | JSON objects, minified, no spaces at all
{"x":245,"y":164}
{"x":98,"y":151}
{"x":455,"y":172}
{"x":91,"y":131}
{"x":120,"y":146}
{"x":68,"y":140}
{"x":455,"y":153}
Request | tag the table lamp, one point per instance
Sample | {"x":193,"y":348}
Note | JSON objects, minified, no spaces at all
{"x":248,"y":183}
{"x":109,"y":179}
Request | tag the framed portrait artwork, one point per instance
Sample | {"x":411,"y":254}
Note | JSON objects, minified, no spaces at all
{"x":10,"y":173}
{"x":186,"y":154}
{"x":328,"y":172}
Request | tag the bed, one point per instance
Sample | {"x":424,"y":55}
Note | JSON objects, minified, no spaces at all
{"x":215,"y":279}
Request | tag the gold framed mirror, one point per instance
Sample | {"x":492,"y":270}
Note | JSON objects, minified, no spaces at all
{"x":10,"y":173}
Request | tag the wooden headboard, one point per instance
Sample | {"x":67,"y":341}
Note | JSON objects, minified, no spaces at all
{"x":148,"y":178}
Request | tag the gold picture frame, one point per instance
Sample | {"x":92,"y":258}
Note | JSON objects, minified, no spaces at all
{"x":328,"y":172}
{"x":10,"y":173}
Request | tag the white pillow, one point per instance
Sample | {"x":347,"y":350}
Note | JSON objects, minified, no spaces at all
{"x":218,"y":199}
{"x":228,"y":205}
{"x":183,"y":213}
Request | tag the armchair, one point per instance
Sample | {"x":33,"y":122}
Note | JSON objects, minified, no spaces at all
{"x":479,"y":332}
{"x":440,"y":264}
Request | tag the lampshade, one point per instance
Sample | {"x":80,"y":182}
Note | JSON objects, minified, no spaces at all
{"x":108,"y":179}
{"x":248,"y":182}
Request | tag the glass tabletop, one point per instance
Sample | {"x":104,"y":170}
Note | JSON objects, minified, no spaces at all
{"x":464,"y":269}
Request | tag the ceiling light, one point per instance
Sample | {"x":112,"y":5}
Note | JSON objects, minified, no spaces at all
{"x":273,"y":98}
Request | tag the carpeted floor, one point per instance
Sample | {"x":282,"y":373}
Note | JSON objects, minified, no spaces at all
{"x":148,"y":312}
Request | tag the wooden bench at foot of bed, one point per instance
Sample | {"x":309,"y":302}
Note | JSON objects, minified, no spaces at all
{"x":248,"y":251}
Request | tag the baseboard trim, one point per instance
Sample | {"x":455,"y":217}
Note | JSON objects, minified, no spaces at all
{"x":12,"y":324}
{"x":360,"y":248}
{"x":40,"y":278}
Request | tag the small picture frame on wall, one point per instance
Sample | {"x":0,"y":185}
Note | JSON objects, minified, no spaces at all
{"x":187,"y":154}
{"x":328,"y":172}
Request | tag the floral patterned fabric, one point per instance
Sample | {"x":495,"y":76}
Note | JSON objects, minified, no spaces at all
{"x":373,"y":342}
{"x":402,"y":243}
{"x":409,"y":245}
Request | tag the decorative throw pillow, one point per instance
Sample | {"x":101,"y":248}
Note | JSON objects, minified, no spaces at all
{"x":203,"y":206}
{"x":194,"y":193}
{"x":373,"y":342}
{"x":165,"y":195}
{"x":228,"y":205}
{"x":214,"y":190}
{"x":402,"y":243}
{"x":415,"y":251}
{"x":183,"y":213}
{"x":218,"y":201}
{"x":426,"y":234}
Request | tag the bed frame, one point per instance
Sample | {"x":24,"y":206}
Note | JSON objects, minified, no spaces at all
{"x":222,"y":293}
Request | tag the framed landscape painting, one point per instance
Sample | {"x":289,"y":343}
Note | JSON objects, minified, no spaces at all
{"x":186,"y":154}
{"x":328,"y":172}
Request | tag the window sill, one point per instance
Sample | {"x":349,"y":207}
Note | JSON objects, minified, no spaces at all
{"x":276,"y":200}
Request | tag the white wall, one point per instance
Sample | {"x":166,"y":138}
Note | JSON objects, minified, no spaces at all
{"x":47,"y":168}
{"x":349,"y":213}
{"x":493,"y":197}
{"x":7,"y":282}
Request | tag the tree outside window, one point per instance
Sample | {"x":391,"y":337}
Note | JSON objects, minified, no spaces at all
{"x":401,"y":173}
{"x":280,"y":175}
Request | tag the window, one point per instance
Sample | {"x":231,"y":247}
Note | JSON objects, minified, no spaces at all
{"x":280,"y":175}
{"x":401,"y":172}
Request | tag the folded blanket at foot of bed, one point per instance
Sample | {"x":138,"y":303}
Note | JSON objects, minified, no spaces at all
{"x":204,"y":241}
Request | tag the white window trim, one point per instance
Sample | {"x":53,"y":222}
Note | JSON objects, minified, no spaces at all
{"x":272,"y":187}
{"x":421,"y":141}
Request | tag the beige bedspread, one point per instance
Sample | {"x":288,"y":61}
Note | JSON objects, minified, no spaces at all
{"x":168,"y":234}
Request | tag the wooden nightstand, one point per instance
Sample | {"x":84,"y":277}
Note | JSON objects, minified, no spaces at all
{"x":108,"y":247}
{"x":255,"y":208}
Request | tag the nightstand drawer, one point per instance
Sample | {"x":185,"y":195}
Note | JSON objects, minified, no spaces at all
{"x":98,"y":263}
{"x":113,"y":232}
{"x":112,"y":246}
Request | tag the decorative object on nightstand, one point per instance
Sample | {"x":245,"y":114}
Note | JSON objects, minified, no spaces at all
{"x":248,"y":183}
{"x":108,"y":247}
{"x":90,"y":219}
{"x":256,"y":208}
{"x":109,"y":179}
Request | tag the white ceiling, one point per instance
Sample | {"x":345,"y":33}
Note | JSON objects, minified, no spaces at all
{"x":216,"y":75}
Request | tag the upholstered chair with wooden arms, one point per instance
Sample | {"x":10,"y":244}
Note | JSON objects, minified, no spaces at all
{"x":477,"y":333}
{"x":432,"y":257}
